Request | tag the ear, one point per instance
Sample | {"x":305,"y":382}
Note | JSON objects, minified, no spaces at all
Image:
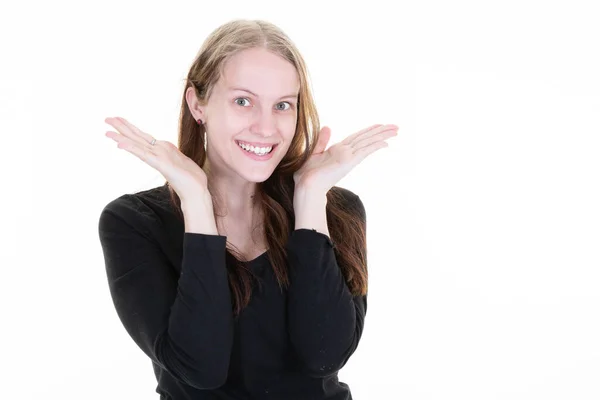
{"x":323,"y":139}
{"x":197,"y":110}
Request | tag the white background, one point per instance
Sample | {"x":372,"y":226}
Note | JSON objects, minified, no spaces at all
{"x":483,"y":216}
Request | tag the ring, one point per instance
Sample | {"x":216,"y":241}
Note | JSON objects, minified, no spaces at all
{"x":152,"y":142}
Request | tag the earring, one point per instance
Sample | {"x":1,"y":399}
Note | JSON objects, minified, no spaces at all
{"x":199,"y":121}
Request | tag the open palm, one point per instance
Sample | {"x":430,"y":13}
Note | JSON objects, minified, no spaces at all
{"x":325,"y":168}
{"x":184,"y":175}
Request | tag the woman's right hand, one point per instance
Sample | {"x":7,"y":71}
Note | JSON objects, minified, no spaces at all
{"x":183,"y":174}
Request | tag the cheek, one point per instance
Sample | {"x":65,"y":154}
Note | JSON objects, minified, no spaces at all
{"x":229,"y":122}
{"x":289,"y":125}
{"x":238,"y":118}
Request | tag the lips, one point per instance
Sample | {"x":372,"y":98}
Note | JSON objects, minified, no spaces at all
{"x":256,"y":144}
{"x":273,"y":146}
{"x":257,"y":157}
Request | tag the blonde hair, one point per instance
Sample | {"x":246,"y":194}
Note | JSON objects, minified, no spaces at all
{"x":346,"y":222}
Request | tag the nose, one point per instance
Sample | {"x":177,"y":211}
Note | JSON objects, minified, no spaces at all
{"x":265,"y":124}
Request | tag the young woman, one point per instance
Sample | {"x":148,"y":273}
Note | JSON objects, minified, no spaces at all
{"x":244,"y":276}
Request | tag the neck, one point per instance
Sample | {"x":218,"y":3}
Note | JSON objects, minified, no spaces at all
{"x":233,"y":197}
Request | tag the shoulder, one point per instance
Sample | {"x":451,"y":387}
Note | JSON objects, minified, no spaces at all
{"x":140,"y":210}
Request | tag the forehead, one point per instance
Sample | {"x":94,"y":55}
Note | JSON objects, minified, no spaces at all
{"x":261,"y":72}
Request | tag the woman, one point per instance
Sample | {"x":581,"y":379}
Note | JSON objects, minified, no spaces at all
{"x":227,"y":276}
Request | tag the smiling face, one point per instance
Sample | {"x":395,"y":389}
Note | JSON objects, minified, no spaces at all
{"x":251,"y":115}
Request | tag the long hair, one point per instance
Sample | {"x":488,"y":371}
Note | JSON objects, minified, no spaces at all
{"x":275,"y":195}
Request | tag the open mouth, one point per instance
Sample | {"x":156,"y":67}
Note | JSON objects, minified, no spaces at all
{"x":256,"y":151}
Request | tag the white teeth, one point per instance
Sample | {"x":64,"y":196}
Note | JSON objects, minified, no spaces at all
{"x":256,"y":150}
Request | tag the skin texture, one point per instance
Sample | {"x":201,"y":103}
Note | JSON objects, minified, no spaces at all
{"x":255,"y":100}
{"x":267,"y":116}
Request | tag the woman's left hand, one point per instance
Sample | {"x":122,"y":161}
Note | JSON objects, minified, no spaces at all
{"x":325,"y":168}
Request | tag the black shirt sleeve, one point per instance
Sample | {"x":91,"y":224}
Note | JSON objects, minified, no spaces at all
{"x":325,"y":320}
{"x":183,"y":323}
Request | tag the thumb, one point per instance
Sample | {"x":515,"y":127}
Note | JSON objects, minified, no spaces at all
{"x":323,"y":139}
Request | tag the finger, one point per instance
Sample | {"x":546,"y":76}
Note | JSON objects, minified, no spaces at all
{"x":144,"y":153}
{"x":128,"y":130}
{"x":362,"y":153}
{"x":350,"y":138}
{"x":148,"y":138}
{"x":119,"y":138}
{"x":368,"y":140}
{"x":323,"y":139}
{"x":367,"y":134}
{"x":124,"y":131}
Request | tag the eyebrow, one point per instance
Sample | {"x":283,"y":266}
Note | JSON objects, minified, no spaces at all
{"x":289,"y":96}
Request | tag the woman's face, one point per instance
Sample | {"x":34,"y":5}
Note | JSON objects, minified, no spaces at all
{"x":254,"y":103}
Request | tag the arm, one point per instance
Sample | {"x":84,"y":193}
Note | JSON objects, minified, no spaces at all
{"x":325,"y":320}
{"x":184,"y":324}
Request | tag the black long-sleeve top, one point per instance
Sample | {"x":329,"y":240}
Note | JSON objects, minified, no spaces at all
{"x":170,"y":291}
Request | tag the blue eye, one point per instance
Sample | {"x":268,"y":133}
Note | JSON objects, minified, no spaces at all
{"x":241,"y":98}
{"x":285,"y":102}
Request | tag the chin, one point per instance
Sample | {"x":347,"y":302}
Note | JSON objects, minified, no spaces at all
{"x":259,"y":177}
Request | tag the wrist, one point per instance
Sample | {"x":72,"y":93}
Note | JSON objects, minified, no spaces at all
{"x":200,"y":200}
{"x":305,"y":193}
{"x":310,"y":209}
{"x":198,"y":214}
